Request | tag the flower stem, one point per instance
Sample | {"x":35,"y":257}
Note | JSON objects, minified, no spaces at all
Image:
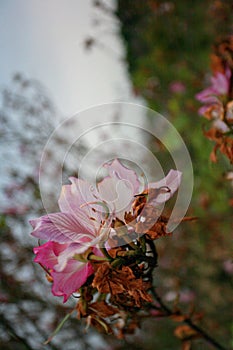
{"x":188,"y":321}
{"x":94,"y":257}
{"x":105,"y":253}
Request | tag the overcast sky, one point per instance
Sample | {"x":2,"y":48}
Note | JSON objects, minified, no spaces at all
{"x":44,"y":40}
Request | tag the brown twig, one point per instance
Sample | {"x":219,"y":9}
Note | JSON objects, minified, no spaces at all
{"x":188,"y":321}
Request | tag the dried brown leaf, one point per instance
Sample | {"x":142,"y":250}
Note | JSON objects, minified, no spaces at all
{"x":102,"y":309}
{"x":186,"y":345}
{"x":121,"y":284}
{"x":178,"y":317}
{"x":185,"y":332}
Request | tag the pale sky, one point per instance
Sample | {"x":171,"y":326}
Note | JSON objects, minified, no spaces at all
{"x":43,"y":39}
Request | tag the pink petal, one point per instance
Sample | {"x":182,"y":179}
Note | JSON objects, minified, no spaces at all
{"x":60,"y":227}
{"x":77,"y":198}
{"x":118,"y":171}
{"x":228,"y":74}
{"x":117,"y":194}
{"x":71,"y":278}
{"x":203,"y":109}
{"x":68,"y":253}
{"x":220,"y":125}
{"x":172,"y":181}
{"x":220,"y":84}
{"x":207,"y":96}
{"x":47,"y":253}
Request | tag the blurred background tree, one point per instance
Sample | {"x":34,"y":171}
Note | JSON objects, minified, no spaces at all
{"x":168,"y":45}
{"x":29,"y":312}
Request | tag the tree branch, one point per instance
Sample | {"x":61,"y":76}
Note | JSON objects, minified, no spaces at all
{"x":188,"y":321}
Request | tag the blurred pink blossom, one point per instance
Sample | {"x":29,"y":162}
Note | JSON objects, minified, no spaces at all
{"x":177,"y":87}
{"x":20,"y":210}
{"x":220,"y":84}
{"x":228,"y":266}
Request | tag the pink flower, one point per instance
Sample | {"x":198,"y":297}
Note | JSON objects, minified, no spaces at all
{"x":85,"y":222}
{"x":220,"y":84}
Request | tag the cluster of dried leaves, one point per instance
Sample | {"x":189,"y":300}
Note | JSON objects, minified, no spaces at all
{"x":117,"y":296}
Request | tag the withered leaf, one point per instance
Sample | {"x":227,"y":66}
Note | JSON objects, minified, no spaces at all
{"x":110,"y":280}
{"x":137,"y":292}
{"x":223,"y":143}
{"x":81,"y":309}
{"x":178,"y":317}
{"x":102,"y":309}
{"x":153,"y":226}
{"x":122,"y":283}
{"x":185,"y":332}
{"x":186,"y":345}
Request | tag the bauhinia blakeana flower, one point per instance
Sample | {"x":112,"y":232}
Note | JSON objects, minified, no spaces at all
{"x":87,"y":222}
